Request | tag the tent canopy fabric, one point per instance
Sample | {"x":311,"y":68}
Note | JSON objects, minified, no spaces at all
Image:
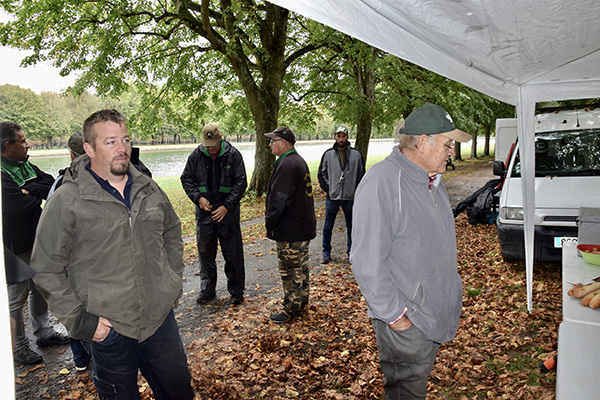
{"x":491,"y":46}
{"x":517,"y":51}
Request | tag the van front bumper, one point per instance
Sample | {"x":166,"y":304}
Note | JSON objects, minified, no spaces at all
{"x":513,"y":248}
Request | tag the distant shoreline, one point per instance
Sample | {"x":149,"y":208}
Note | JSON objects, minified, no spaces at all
{"x":63,"y":152}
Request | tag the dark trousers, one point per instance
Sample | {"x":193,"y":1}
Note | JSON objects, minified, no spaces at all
{"x":406,"y":359}
{"x":229,"y":236}
{"x":332,"y":208}
{"x":160,"y":358}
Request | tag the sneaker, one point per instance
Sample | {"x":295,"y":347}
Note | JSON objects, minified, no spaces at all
{"x":82,"y":369}
{"x":53,"y":339}
{"x":237,"y":300}
{"x":25,"y":355}
{"x":326,"y":258}
{"x":282,"y":317}
{"x":205,"y":298}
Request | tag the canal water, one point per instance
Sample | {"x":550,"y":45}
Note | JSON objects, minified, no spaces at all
{"x":171,"y":163}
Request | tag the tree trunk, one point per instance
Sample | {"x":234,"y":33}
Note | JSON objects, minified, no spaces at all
{"x":457,"y":155}
{"x":487,"y":129}
{"x":364,"y":77}
{"x":474,"y":144}
{"x":264,"y":106}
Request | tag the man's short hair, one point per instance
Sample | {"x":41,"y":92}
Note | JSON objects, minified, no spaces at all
{"x":8,"y":133}
{"x":89,"y":133}
{"x":404,"y":141}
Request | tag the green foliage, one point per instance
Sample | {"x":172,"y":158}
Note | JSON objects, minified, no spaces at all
{"x":176,"y":55}
{"x":249,"y":66}
{"x":25,"y":108}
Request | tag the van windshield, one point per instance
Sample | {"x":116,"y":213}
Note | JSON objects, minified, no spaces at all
{"x":565,"y":153}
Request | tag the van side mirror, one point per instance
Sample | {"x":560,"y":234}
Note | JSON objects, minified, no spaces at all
{"x":499,"y":169}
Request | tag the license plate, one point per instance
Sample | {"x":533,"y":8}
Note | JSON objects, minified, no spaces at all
{"x":560,"y":241}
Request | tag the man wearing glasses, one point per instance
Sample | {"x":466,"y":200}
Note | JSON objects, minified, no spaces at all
{"x":404,"y":251}
{"x":290,"y":220}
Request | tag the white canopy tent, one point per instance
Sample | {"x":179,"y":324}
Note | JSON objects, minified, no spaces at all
{"x":517,"y":51}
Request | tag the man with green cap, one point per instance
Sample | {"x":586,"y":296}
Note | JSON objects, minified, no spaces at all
{"x":404,"y":251}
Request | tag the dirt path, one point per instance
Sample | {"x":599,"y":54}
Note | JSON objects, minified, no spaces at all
{"x":263,"y":289}
{"x":465,"y":180}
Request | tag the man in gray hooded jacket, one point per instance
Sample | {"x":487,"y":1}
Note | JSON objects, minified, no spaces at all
{"x":404,"y":251}
{"x":341,"y":169}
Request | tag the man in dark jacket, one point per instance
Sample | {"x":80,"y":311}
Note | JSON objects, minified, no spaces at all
{"x":214,"y":178}
{"x":24,"y":187}
{"x":290,"y":220}
{"x":341,"y":169}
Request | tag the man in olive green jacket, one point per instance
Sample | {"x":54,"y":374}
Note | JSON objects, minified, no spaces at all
{"x":108,"y":255}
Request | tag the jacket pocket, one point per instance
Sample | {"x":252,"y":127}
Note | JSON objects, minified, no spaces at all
{"x":418,"y":297}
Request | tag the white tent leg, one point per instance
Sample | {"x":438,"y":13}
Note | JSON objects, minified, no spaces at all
{"x":526,"y":115}
{"x":7,"y":378}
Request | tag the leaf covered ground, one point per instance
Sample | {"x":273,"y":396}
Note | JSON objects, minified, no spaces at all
{"x":331,"y":353}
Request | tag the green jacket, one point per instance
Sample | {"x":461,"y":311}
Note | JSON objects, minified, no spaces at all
{"x":94,"y":257}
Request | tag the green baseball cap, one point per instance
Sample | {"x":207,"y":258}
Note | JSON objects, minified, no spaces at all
{"x":432,"y":119}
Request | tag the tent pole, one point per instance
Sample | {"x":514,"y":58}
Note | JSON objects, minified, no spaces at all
{"x":526,"y":115}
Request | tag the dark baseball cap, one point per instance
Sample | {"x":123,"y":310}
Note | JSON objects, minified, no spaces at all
{"x":432,"y":119}
{"x":75,"y":143}
{"x":283,"y":132}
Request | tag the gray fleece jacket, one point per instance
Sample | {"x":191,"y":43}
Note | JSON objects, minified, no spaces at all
{"x":404,"y":248}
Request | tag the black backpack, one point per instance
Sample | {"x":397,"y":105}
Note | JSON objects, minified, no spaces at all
{"x":479,"y":204}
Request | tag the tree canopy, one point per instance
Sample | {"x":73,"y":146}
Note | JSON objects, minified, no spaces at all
{"x":175,"y":53}
{"x":247,"y":64}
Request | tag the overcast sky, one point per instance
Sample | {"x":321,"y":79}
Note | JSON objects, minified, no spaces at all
{"x":39,"y":78}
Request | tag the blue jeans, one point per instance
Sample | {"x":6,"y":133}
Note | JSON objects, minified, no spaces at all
{"x":160,"y":358}
{"x":81,"y":353}
{"x":331,"y":209}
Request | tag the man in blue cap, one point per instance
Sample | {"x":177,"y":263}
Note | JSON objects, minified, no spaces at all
{"x":290,"y":221}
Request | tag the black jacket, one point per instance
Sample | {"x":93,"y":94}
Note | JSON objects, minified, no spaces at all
{"x":290,"y":210}
{"x":221,"y":181}
{"x":21,"y":212}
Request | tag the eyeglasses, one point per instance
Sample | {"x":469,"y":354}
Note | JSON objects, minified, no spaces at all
{"x":275,"y":140}
{"x":449,"y":146}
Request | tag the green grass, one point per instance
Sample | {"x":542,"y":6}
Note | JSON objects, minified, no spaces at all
{"x":251,"y":205}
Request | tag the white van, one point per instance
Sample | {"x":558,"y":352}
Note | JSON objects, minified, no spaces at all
{"x":567,"y":177}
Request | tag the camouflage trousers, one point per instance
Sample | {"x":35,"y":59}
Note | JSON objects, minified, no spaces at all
{"x":293,"y":267}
